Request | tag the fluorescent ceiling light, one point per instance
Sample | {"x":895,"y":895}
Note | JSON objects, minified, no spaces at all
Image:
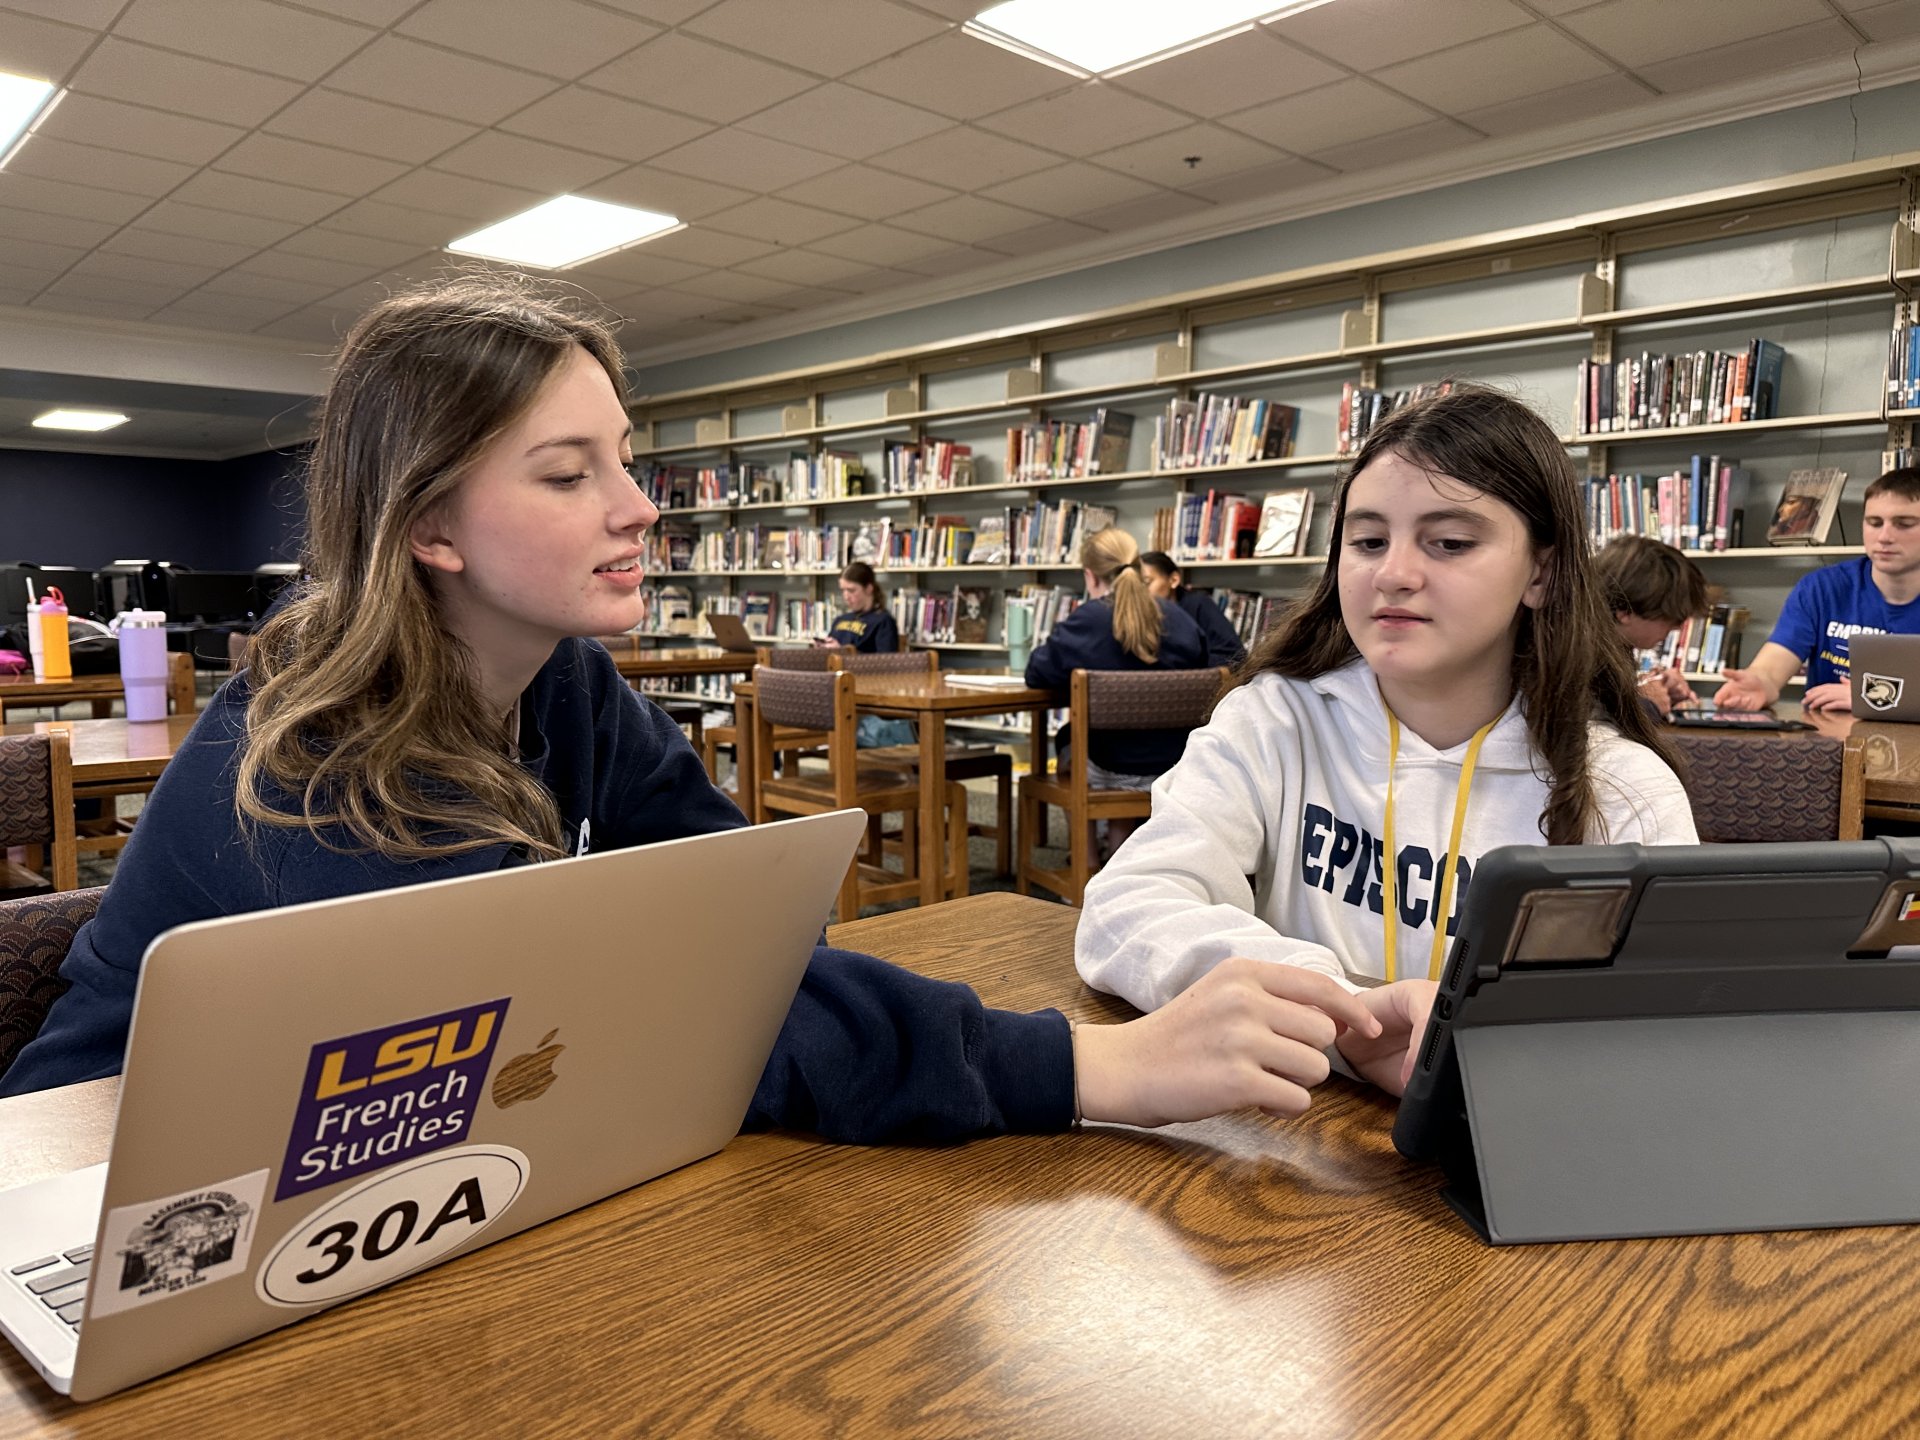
{"x":565,"y":231}
{"x":78,"y":420}
{"x":23,"y":103}
{"x":1106,"y":37}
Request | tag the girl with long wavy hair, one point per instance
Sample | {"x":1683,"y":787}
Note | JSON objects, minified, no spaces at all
{"x":429,"y":704}
{"x":1453,"y":683}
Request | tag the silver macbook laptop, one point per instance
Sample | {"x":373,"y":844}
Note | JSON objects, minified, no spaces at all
{"x":321,"y":1099}
{"x":731,"y":632}
{"x":1886,"y":676}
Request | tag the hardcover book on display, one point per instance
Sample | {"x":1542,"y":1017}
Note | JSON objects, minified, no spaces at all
{"x":1807,"y":506}
{"x":1284,"y":517}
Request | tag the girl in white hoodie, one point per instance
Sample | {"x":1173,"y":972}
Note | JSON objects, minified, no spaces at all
{"x":1452,"y":684}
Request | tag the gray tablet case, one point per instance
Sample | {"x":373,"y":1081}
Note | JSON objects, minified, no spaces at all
{"x":1677,"y":1040}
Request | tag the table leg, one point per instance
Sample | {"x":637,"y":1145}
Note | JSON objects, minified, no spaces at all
{"x":745,"y":775}
{"x":933,"y":790}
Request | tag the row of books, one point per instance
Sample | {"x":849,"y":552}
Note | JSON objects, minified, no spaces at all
{"x":1705,"y":645}
{"x":1362,"y":407}
{"x":1903,"y":371}
{"x":1659,"y":392}
{"x":1698,"y":508}
{"x":912,"y":466}
{"x":1044,"y":533}
{"x":958,"y":616}
{"x":829,"y":475}
{"x":1070,"y":449}
{"x":1250,"y":613}
{"x":1218,"y":526}
{"x":1223,"y":430}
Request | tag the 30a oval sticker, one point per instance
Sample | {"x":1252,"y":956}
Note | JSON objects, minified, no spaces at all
{"x":394,"y":1223}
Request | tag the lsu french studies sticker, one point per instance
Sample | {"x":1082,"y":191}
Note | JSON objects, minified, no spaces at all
{"x":396,"y":1222}
{"x":161,"y":1248}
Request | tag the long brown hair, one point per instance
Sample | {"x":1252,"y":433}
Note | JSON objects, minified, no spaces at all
{"x":1568,"y":663}
{"x":1112,"y":556}
{"x":365,"y":708}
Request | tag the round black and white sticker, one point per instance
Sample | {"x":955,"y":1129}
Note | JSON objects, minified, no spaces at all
{"x":399,"y":1221}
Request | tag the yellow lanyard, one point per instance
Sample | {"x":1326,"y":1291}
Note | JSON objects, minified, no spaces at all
{"x":1390,"y":865}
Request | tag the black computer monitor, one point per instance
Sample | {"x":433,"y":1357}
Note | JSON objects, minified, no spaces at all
{"x":210,"y":596}
{"x":15,"y":576}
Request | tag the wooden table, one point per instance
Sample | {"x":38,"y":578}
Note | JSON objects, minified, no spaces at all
{"x":1241,"y":1277}
{"x":930,"y":701}
{"x":115,"y":757}
{"x":100,"y":691}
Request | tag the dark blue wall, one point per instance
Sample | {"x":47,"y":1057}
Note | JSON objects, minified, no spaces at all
{"x":89,"y":510}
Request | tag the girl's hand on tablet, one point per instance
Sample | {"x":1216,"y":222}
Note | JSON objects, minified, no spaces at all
{"x":1248,"y":1032}
{"x":1386,"y":1057}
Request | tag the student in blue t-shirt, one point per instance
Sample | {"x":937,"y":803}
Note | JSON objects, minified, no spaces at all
{"x":1872,"y":595}
{"x":1164,"y":579}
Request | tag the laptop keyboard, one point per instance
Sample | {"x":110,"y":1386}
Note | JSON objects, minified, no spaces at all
{"x":58,"y":1282}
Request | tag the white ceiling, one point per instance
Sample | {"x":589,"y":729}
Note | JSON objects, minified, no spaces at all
{"x":267,"y":168}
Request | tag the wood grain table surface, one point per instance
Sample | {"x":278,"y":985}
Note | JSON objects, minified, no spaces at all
{"x":115,"y":751}
{"x":1240,"y":1277}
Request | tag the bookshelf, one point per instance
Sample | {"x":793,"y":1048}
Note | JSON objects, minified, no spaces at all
{"x":1835,"y":253}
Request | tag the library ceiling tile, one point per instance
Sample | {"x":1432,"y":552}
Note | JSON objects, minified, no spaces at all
{"x":110,"y":287}
{"x":967,"y":218}
{"x":1069,"y":189}
{"x":659,"y":305}
{"x":873,"y":279}
{"x":1154,"y":209}
{"x":1248,"y":69}
{"x":61,"y":197}
{"x":562,"y":38}
{"x":1889,"y":22}
{"x":223,"y":311}
{"x":638,"y":268}
{"x":405,"y":72}
{"x":239,"y":284}
{"x":43,"y":255}
{"x":318,"y":167}
{"x":955,"y":260}
{"x":52,"y":159}
{"x":866,"y":192}
{"x":679,"y":72}
{"x":137,"y":129}
{"x":807,"y":297}
{"x":530,"y":164}
{"x":732,"y":285}
{"x":93,"y":14}
{"x":661,"y":12}
{"x":476,"y":201}
{"x":1273,"y":179}
{"x":604,"y":124}
{"x":1369,"y":34}
{"x":1762,"y":54}
{"x":368,"y":251}
{"x":1087,"y":118}
{"x":319,"y":327}
{"x":144,"y":271}
{"x":1637,"y":33}
{"x":1163,"y":159}
{"x":400,"y":223}
{"x":781,"y":221}
{"x":666,"y":192}
{"x":1399,"y":146}
{"x":372,"y":127}
{"x":752,"y":162}
{"x":274,"y":38}
{"x":1038,"y":239}
{"x":846,"y":122}
{"x":828,"y":37}
{"x":1556,"y":106}
{"x":961,"y":77}
{"x":27,"y":277}
{"x":182,"y":249}
{"x":1352,"y":109}
{"x":41,"y":48}
{"x":804,"y":267}
{"x":1496,"y":69}
{"x":708,"y":247}
{"x":965,"y":158}
{"x":246,"y":195}
{"x":121,"y":70}
{"x":99,"y":309}
{"x":60,"y":229}
{"x":311,"y":269}
{"x":880,"y":245}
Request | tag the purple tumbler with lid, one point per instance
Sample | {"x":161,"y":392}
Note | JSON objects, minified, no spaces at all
{"x":143,"y":663}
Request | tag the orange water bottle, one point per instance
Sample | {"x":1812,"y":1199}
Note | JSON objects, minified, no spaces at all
{"x":52,"y":620}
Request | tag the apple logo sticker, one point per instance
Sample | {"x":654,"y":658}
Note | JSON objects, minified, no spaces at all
{"x":526,"y":1077}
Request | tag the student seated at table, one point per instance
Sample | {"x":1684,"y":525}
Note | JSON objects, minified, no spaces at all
{"x":1652,"y":590}
{"x":1872,"y":594}
{"x":1454,"y":682}
{"x":1120,"y":626}
{"x":1166,"y":582}
{"x":425,"y":706}
{"x":869,"y":628}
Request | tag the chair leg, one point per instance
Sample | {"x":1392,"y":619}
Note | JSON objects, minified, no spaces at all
{"x":1023,"y":858}
{"x":1079,"y":850}
{"x":909,"y":844}
{"x":958,"y":868}
{"x":848,"y":907}
{"x":1003,"y":820}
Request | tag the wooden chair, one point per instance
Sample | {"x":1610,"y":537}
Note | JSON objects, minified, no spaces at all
{"x":786,"y":740}
{"x":1103,"y":700}
{"x":35,"y":934}
{"x":180,"y":684}
{"x":824,"y":702}
{"x":1770,"y":787}
{"x":964,"y":762}
{"x":36,"y":812}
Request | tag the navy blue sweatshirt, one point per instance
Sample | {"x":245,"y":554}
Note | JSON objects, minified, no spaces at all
{"x":1221,"y":639}
{"x":869,"y":1052}
{"x":1085,"y":641}
{"x":872,"y":632}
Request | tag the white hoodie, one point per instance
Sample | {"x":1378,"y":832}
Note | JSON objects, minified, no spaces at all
{"x":1265,"y":838}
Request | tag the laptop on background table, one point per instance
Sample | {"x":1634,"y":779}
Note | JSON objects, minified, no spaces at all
{"x":321,"y":1099}
{"x":1886,"y":677}
{"x":731,"y":633}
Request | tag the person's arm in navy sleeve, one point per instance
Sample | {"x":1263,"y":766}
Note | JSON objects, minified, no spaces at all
{"x":1222,"y":640}
{"x":872,"y":1053}
{"x":883,"y":634}
{"x":650,"y":785}
{"x":1065,"y":650}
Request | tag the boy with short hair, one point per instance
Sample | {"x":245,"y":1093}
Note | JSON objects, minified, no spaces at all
{"x":1652,"y":590}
